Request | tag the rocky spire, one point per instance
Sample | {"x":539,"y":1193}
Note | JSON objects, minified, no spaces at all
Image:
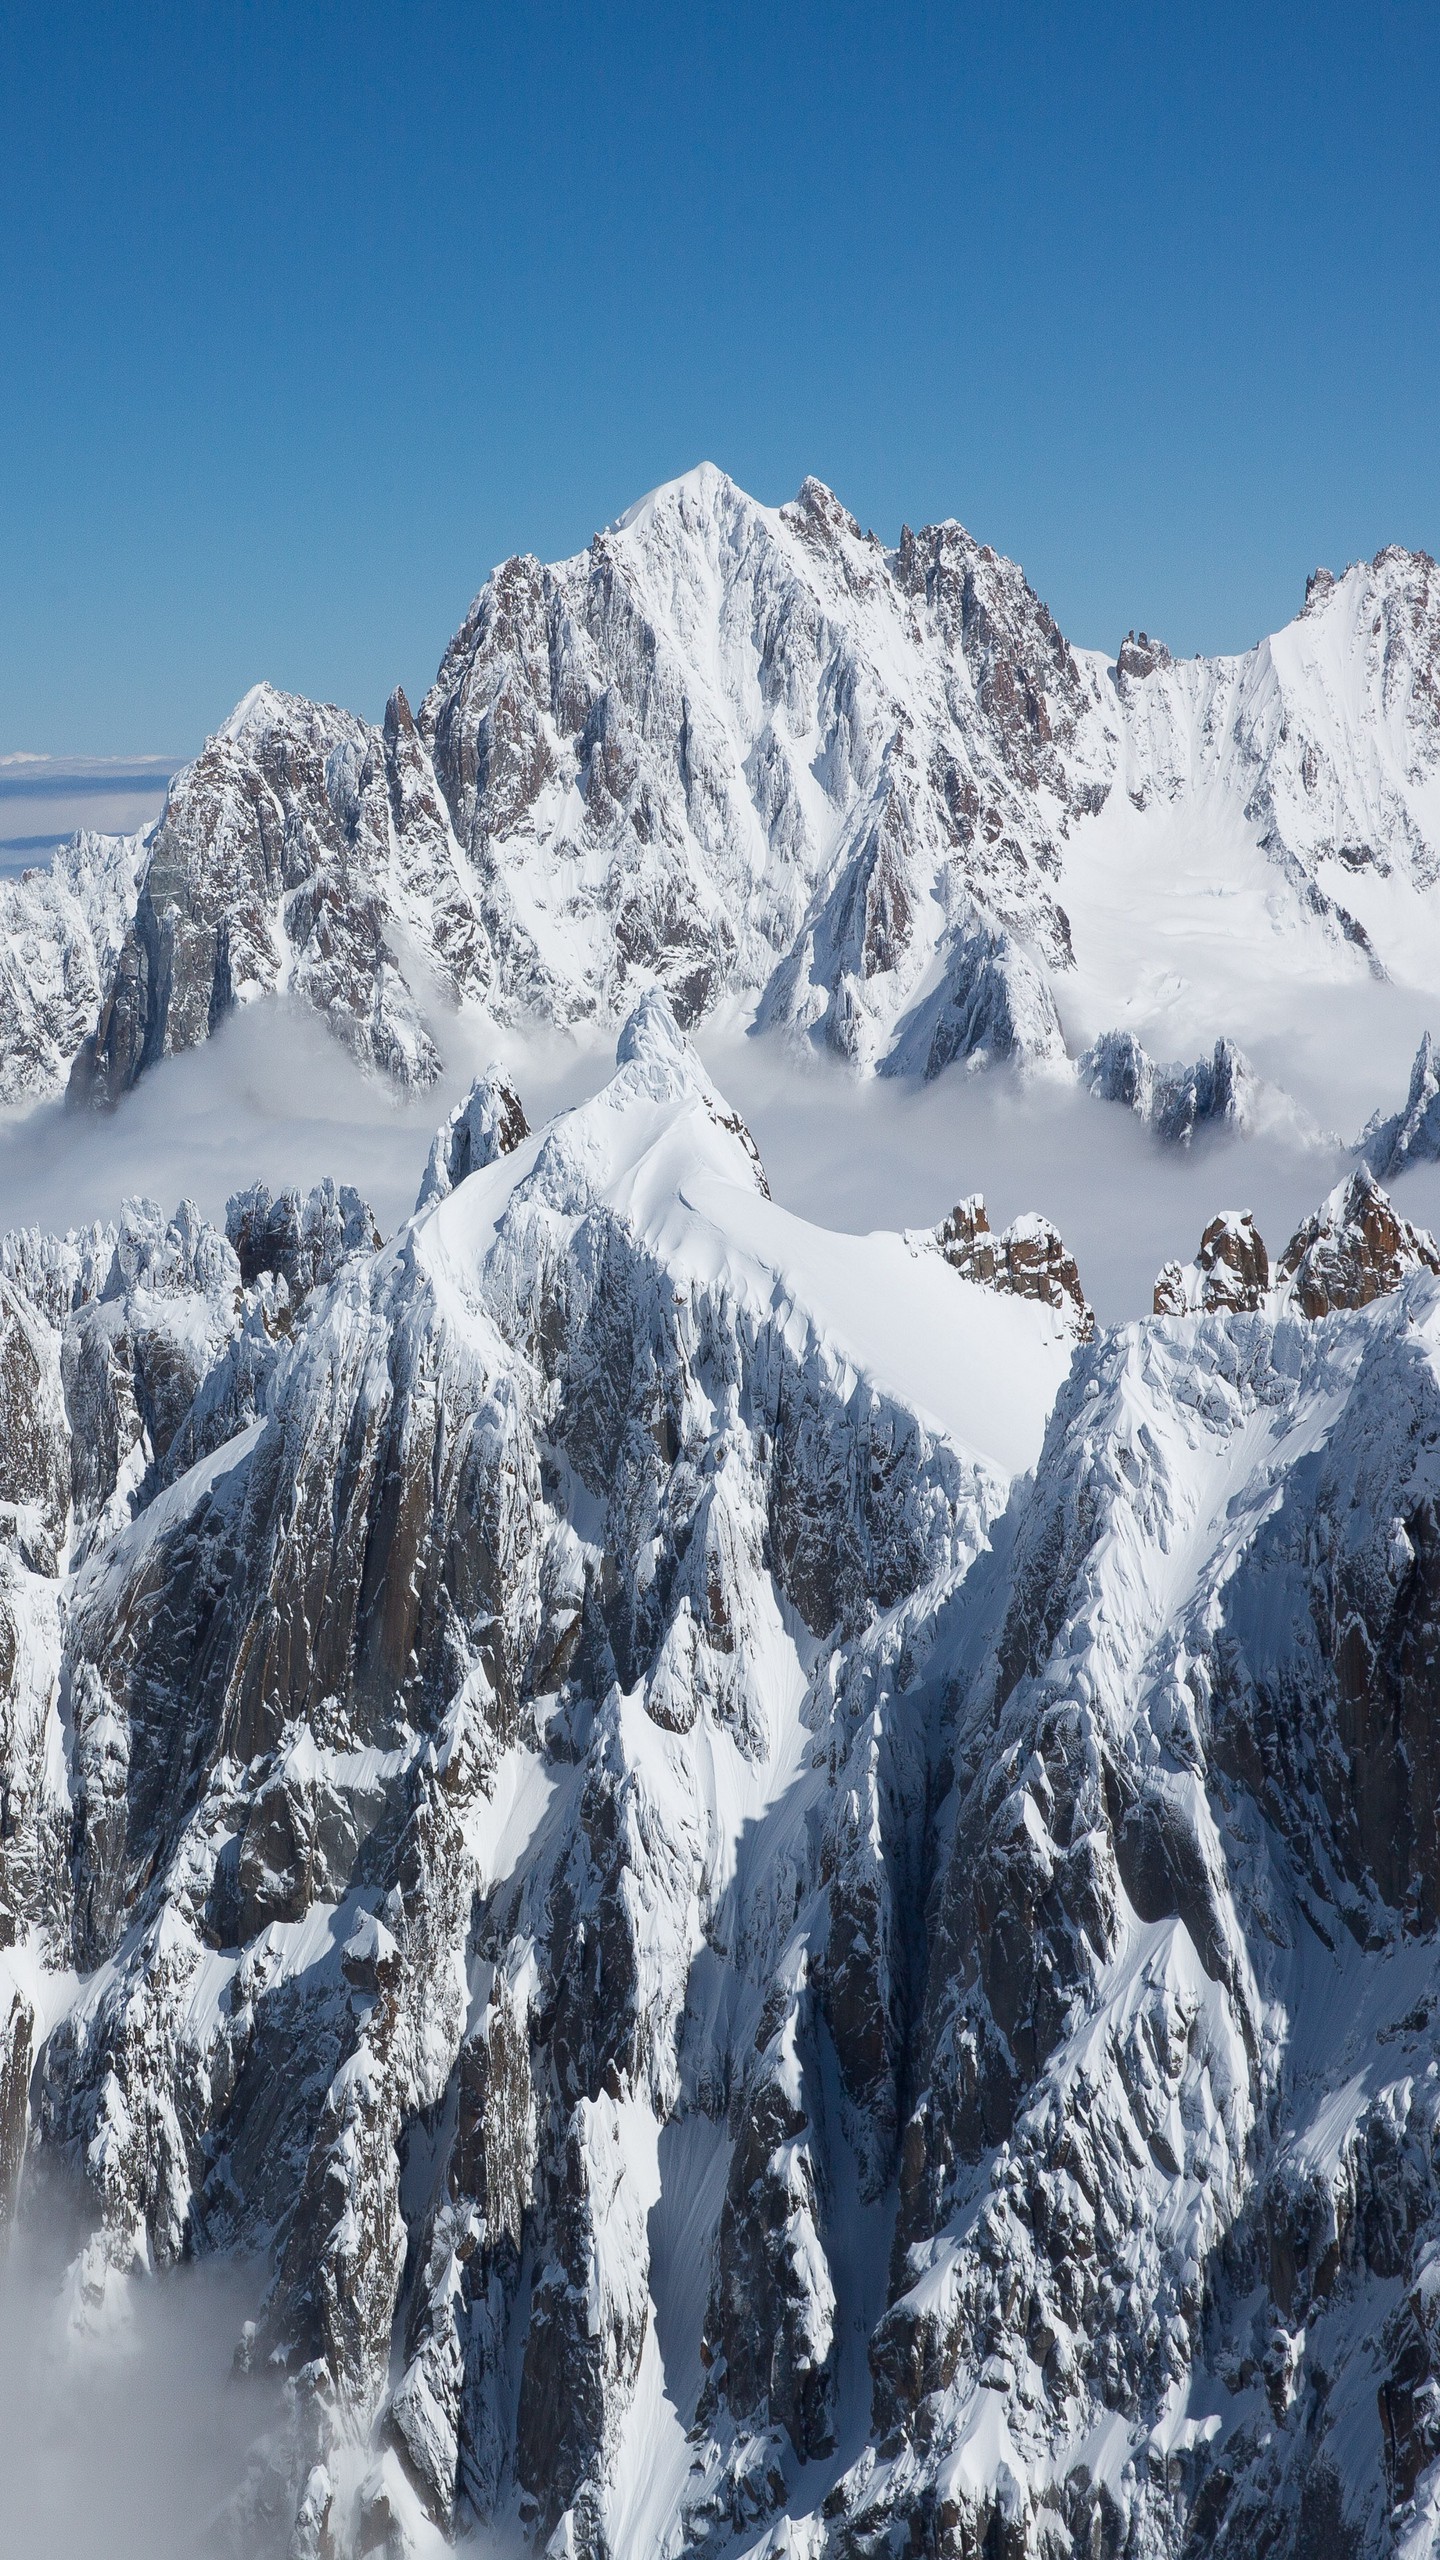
{"x":1229,"y":1275}
{"x":1410,"y":1135}
{"x":1356,"y":1248}
{"x":1028,"y":1259}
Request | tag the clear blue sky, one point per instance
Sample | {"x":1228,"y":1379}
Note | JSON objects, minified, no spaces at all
{"x":311,"y":313}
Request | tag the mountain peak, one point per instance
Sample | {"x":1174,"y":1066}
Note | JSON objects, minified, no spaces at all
{"x":816,"y":505}
{"x":651,"y":1037}
{"x":703,"y":485}
{"x":749,"y":754}
{"x":257,"y":711}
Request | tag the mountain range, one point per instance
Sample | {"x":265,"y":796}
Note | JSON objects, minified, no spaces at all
{"x":784,"y":1893}
{"x":871,"y":798}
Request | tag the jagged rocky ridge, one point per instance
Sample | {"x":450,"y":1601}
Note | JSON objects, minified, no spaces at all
{"x":1215,"y":1093}
{"x":62,"y":933}
{"x":1027,"y":1259}
{"x":780,"y":1953}
{"x":486,"y":1124}
{"x":1410,"y":1135}
{"x":1355,"y":1248}
{"x":753,"y":755}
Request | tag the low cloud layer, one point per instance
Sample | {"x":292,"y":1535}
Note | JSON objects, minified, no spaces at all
{"x":892,"y":1154}
{"x":128,"y":2438}
{"x":272,"y":1098}
{"x":275,"y":1098}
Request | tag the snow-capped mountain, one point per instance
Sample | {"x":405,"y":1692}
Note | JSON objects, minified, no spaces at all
{"x":869,"y":796}
{"x":787,"y":1892}
{"x":792,"y":1896}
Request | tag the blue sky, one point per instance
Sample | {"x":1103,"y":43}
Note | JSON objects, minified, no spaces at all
{"x":311,"y":313}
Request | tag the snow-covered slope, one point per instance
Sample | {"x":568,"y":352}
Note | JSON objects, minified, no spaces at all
{"x":1275,"y":817}
{"x":793,"y":1899}
{"x":869,"y":796}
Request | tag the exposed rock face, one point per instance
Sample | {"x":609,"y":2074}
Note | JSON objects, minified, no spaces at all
{"x":1174,"y":1101}
{"x":1119,"y":1069}
{"x":1139,"y":656}
{"x":1356,"y":1248}
{"x":17,"y":2046}
{"x":1412,"y":1134}
{"x":1129,"y":2156}
{"x":773,"y":2303}
{"x":727,"y":749}
{"x":136,"y":1355}
{"x":993,"y":1003}
{"x":740,"y":752}
{"x":1028,"y":1260}
{"x":279,"y":859}
{"x":487,"y":1124}
{"x":569,"y":1516}
{"x":770,"y":1961}
{"x":62,"y":931}
{"x":57,"y":1273}
{"x":777,"y":818}
{"x":1230,"y":1273}
{"x":1214,"y":1093}
{"x":302,"y":1238}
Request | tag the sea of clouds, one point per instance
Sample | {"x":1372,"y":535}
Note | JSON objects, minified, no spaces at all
{"x":275,"y":1098}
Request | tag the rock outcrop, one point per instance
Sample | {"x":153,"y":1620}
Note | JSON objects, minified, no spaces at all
{"x":1410,"y":1135}
{"x":302,"y":1238}
{"x":17,"y":2047}
{"x":993,"y":1003}
{"x":62,"y":932}
{"x":486,"y":1124}
{"x":1175,"y":1101}
{"x":1355,"y":1249}
{"x":1028,"y":1259}
{"x":1138,"y":656}
{"x":1230,"y":1274}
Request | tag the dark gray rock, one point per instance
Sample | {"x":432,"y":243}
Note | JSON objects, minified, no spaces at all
{"x":488,"y":1123}
{"x":1410,"y":1135}
{"x":302,"y":1238}
{"x":1175,"y":1101}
